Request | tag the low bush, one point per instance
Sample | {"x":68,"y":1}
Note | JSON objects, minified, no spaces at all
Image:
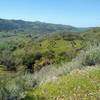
{"x":90,"y":57}
{"x":8,"y":61}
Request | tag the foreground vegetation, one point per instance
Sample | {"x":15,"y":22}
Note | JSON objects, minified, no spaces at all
{"x":78,"y":85}
{"x":60,"y":65}
{"x":76,"y":79}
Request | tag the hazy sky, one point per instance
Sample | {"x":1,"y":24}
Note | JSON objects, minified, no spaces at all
{"x":71,"y":12}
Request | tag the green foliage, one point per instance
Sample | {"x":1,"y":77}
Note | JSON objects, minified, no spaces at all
{"x":30,"y":60}
{"x":26,"y":45}
{"x":90,"y":57}
{"x":78,"y":85}
{"x":8,"y":61}
{"x":13,"y":87}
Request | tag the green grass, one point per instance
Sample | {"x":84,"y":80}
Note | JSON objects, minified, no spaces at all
{"x":78,"y":85}
{"x":60,"y":45}
{"x":63,"y":50}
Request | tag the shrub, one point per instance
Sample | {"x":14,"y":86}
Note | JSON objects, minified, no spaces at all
{"x":29,"y":60}
{"x":37,"y":56}
{"x":8,"y":61}
{"x":90,"y":57}
{"x":49,"y":54}
{"x":14,"y":88}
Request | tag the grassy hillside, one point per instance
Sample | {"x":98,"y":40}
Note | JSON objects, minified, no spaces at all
{"x":48,"y":66}
{"x":78,"y":85}
{"x":78,"y":79}
{"x":37,"y":53}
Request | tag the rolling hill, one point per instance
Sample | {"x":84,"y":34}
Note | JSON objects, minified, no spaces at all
{"x":21,"y":26}
{"x":43,"y":61}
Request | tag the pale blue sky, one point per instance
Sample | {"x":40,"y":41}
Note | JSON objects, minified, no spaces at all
{"x":71,"y":12}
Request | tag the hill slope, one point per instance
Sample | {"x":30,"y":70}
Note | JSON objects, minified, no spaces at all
{"x":34,"y":27}
{"x":78,"y":85}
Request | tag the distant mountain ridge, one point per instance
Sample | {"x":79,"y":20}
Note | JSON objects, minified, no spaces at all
{"x":35,"y":27}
